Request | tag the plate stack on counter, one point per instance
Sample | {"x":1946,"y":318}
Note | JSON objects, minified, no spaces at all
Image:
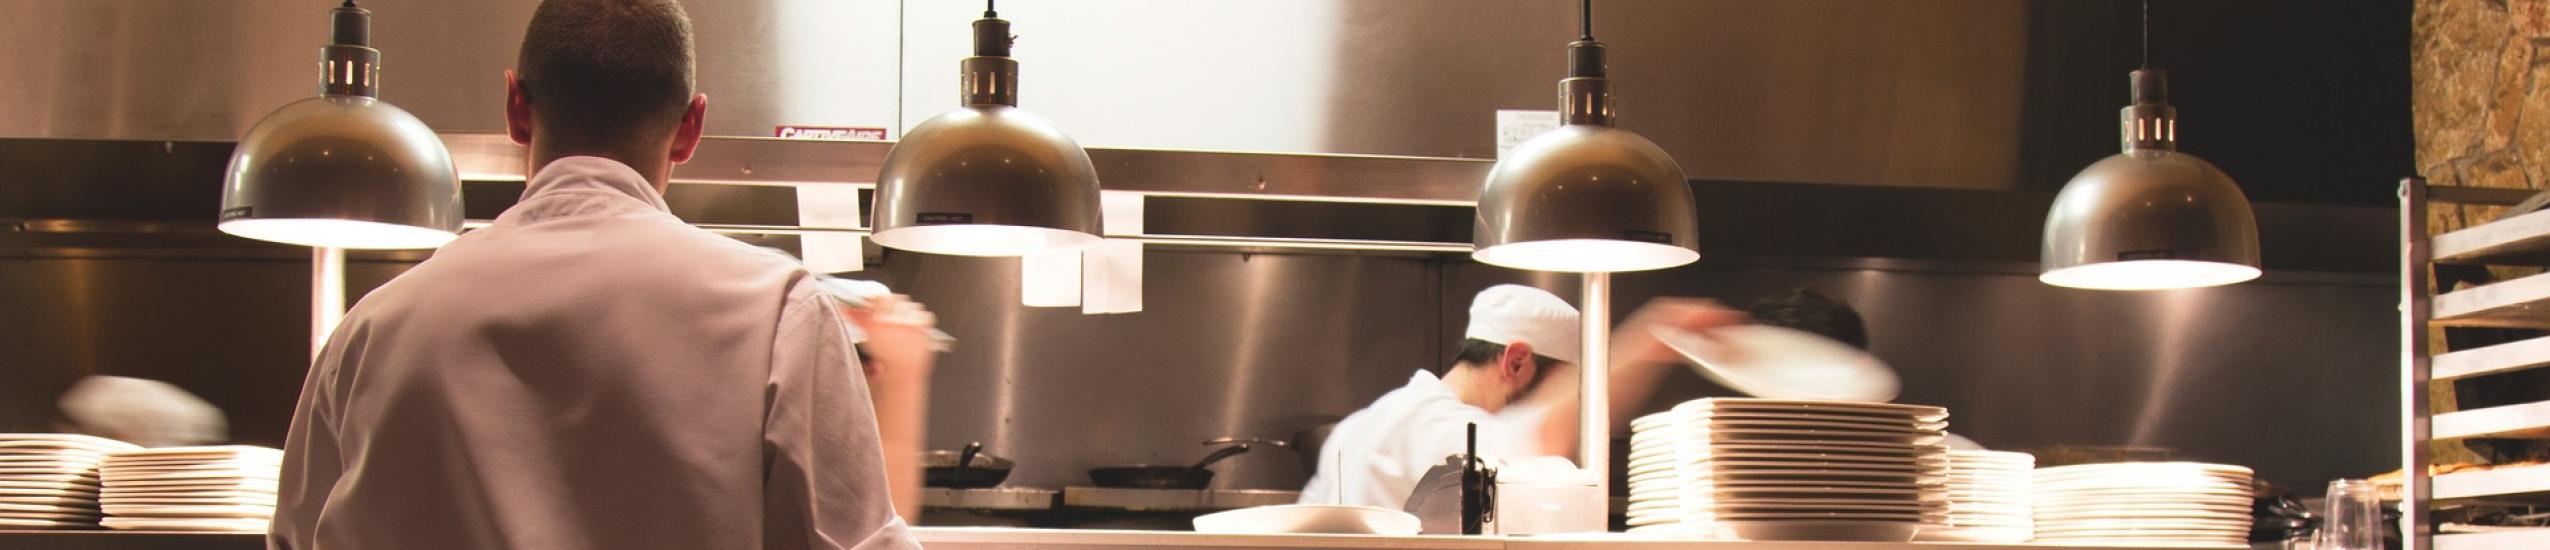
{"x":1764,"y":469}
{"x":50,"y":481}
{"x":2144,"y":503}
{"x":1988,"y":498}
{"x":225,"y":488}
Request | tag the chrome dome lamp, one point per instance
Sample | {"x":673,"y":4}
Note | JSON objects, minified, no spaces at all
{"x":987,"y":179}
{"x":2151,"y":217}
{"x":343,"y":169}
{"x":1586,"y":197}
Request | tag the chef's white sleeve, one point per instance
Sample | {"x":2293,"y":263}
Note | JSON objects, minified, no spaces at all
{"x":312,"y":461}
{"x":824,"y":482}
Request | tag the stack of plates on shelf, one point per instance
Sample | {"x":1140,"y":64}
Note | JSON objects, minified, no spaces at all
{"x":1988,"y":495}
{"x":2158,"y":503}
{"x":1763,"y":469}
{"x":227,"y":488}
{"x":49,"y":481}
{"x":1655,"y":480}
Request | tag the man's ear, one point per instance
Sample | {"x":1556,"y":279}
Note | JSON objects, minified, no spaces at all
{"x":1516,"y":364}
{"x":694,"y":121}
{"x":518,"y":123}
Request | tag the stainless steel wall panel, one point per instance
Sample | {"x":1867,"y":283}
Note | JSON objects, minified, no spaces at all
{"x":2282,"y":375}
{"x":1227,"y":345}
{"x":183,"y":70}
{"x":1894,"y":93}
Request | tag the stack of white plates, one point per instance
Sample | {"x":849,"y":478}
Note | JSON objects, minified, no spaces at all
{"x":2159,"y":503}
{"x":1988,"y":500}
{"x":227,"y":488}
{"x":1655,"y":478}
{"x":49,"y":481}
{"x":1762,"y":469}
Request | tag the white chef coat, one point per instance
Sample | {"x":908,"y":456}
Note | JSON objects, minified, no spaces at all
{"x":1382,"y":450}
{"x":588,"y":372}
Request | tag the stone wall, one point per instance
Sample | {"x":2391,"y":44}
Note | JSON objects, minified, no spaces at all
{"x":2480,"y":88}
{"x":2480,"y":73}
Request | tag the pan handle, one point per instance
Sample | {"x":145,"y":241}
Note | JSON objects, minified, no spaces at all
{"x":1217,"y":456}
{"x":965,"y":460}
{"x":1250,"y":441}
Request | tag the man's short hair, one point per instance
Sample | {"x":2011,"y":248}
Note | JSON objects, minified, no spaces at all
{"x":1485,"y":354}
{"x":1811,"y":311}
{"x":602,"y":72}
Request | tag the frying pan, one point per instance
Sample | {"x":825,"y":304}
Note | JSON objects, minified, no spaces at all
{"x":1153,"y":476}
{"x":968,"y":469}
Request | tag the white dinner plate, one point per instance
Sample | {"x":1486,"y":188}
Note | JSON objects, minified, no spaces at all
{"x":1927,"y":413}
{"x":2064,"y":500}
{"x":1784,"y":424}
{"x":57,"y":478}
{"x":1984,"y":535}
{"x":50,"y":458}
{"x":64,"y":515}
{"x":1844,"y":448}
{"x":203,"y":450}
{"x":1782,"y":363}
{"x":67,"y":441}
{"x":2208,"y":467}
{"x":57,"y":499}
{"x":266,"y":485}
{"x":1806,"y":435}
{"x":206,"y":475}
{"x":1805,"y":456}
{"x":187,"y":524}
{"x":16,"y":523}
{"x":112,"y":471}
{"x":1704,"y":517}
{"x":1703,"y":416}
{"x":11,"y":471}
{"x":1798,"y":474}
{"x":188,"y":511}
{"x":1722,"y":466}
{"x":1807,"y":530}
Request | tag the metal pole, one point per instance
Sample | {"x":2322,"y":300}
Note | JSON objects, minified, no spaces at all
{"x":2415,"y":366}
{"x":327,"y":295}
{"x":1594,"y":385}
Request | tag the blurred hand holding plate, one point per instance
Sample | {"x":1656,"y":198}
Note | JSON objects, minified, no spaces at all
{"x":1779,"y":363}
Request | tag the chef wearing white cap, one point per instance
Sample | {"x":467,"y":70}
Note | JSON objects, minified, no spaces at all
{"x":1516,"y":336}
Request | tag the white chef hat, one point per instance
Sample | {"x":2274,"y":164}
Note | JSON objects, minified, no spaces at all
{"x":1506,"y":314}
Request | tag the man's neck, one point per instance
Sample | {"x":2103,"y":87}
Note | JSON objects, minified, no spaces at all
{"x":1470,"y":385}
{"x":652,"y":167}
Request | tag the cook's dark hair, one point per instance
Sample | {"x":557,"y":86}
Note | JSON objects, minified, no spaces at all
{"x":600,"y":73}
{"x":1811,"y":311}
{"x":1485,"y":354}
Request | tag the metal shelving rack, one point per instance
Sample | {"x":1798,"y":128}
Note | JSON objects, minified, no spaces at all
{"x":2522,"y":240}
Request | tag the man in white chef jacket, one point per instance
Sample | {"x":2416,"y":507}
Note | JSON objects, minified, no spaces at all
{"x":1518,"y":337}
{"x":589,"y":371}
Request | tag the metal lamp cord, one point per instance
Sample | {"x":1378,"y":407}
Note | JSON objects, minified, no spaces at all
{"x":1584,"y":20}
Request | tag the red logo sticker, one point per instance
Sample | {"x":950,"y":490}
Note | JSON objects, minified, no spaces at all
{"x":831,"y":133}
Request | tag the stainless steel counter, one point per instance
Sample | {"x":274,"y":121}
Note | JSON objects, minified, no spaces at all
{"x":1173,"y":500}
{"x":991,"y":499}
{"x":968,"y":538}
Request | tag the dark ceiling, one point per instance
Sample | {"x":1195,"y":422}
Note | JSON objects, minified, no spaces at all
{"x":2299,"y":100}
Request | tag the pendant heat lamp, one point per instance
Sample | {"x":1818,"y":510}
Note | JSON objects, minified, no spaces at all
{"x":343,"y":169}
{"x":1586,"y":197}
{"x":987,"y":179}
{"x":2150,"y":218}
